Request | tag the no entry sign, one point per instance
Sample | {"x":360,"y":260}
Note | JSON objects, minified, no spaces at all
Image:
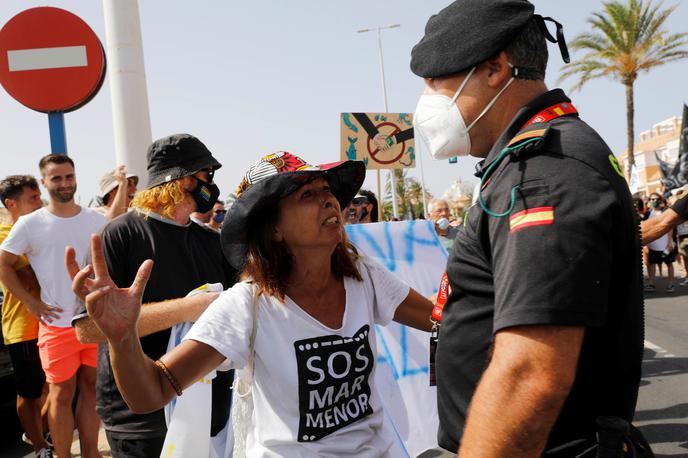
{"x":50,"y":60}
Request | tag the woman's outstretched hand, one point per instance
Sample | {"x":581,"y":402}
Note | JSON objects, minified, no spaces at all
{"x":115,"y":310}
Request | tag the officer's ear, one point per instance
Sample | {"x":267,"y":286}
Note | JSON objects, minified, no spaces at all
{"x":498,"y":70}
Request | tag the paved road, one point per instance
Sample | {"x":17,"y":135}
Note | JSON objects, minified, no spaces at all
{"x":662,"y":412}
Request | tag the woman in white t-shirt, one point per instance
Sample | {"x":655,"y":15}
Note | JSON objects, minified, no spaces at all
{"x":315,"y":304}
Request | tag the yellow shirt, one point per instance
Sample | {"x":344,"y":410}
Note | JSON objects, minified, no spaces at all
{"x":18,"y":324}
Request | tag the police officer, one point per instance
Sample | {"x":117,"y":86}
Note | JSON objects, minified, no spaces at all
{"x":542,"y":331}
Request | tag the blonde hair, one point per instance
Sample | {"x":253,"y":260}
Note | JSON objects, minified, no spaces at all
{"x":161,"y":199}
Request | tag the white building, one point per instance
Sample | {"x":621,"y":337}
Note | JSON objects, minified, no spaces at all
{"x":662,"y":139}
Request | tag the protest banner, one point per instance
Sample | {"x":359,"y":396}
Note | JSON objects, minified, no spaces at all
{"x":412,"y":251}
{"x":188,"y":417}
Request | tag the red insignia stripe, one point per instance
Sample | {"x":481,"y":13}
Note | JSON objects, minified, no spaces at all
{"x":538,"y":216}
{"x":529,"y":211}
{"x":531,"y":224}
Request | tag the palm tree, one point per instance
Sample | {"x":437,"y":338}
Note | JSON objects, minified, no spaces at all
{"x":626,"y":39}
{"x":409,"y":196}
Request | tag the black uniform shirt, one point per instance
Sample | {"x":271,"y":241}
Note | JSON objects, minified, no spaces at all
{"x":185,"y":258}
{"x":681,"y":207}
{"x":568,"y":254}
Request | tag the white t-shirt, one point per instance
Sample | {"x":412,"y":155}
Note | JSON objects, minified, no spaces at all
{"x":102,"y":210}
{"x":42,"y":237}
{"x":661,"y":243}
{"x":313,"y":391}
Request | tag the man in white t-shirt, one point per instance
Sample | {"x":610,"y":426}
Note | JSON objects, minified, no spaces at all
{"x":42,"y":236}
{"x":661,"y":250}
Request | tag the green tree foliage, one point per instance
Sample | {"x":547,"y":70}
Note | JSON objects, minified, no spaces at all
{"x":409,"y":197}
{"x":625,"y":39}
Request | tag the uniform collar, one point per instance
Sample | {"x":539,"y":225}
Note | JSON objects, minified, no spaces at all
{"x":162,"y":219}
{"x":529,"y":110}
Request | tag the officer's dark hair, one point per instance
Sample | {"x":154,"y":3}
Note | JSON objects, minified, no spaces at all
{"x":529,"y":49}
{"x":13,"y":186}
{"x":370,"y":195}
{"x":54,"y":159}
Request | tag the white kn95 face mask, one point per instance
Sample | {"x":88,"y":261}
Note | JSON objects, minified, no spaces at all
{"x":440,"y":124}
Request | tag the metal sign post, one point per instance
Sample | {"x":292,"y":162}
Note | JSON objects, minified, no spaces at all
{"x":58,"y":137}
{"x":384,"y":95}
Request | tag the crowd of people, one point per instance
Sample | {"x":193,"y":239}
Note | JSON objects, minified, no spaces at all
{"x":670,"y":249}
{"x":175,"y":221}
{"x":537,"y":325}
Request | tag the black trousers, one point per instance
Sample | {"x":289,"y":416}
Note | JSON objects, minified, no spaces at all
{"x":134,"y":448}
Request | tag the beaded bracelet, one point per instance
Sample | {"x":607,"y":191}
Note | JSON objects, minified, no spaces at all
{"x":170,"y":377}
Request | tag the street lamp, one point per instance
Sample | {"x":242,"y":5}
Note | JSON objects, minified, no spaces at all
{"x":384,"y":95}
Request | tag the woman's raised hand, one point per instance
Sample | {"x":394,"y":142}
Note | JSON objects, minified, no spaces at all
{"x":114,"y":310}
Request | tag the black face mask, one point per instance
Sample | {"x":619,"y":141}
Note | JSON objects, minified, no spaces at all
{"x":205,"y":195}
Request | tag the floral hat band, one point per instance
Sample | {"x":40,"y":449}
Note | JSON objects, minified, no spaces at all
{"x":272,"y":178}
{"x":271,"y":165}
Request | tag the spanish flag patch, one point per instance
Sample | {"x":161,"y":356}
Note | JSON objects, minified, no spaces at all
{"x":538,"y":216}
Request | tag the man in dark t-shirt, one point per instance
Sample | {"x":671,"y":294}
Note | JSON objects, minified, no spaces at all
{"x":543,"y":330}
{"x":185,"y":257}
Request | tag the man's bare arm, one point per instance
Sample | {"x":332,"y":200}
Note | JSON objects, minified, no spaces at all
{"x":653,"y":228}
{"x":522,"y":391}
{"x":12,"y":281}
{"x":155,"y":316}
{"x":119,"y":202}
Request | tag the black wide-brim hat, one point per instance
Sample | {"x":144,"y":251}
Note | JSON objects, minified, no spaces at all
{"x":272,"y":178}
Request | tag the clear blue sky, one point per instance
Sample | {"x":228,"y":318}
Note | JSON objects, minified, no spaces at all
{"x":250,"y":78}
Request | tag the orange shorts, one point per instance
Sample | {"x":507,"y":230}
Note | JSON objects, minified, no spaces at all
{"x":62,"y":354}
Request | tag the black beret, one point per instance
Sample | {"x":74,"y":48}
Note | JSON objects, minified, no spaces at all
{"x":466,"y":33}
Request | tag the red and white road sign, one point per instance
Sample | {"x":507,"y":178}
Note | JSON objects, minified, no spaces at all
{"x":50,"y":60}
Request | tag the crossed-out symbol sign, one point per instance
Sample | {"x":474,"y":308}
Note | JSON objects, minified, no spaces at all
{"x":386,"y":157}
{"x":388,"y":138}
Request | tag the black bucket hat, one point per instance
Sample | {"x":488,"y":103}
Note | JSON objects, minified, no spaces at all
{"x":272,"y":178}
{"x":177,"y":156}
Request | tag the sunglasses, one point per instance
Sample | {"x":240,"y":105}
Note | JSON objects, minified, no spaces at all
{"x":210,"y":172}
{"x":219,"y":212}
{"x":357,"y":201}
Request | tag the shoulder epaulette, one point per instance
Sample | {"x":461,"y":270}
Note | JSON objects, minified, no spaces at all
{"x":530,"y":138}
